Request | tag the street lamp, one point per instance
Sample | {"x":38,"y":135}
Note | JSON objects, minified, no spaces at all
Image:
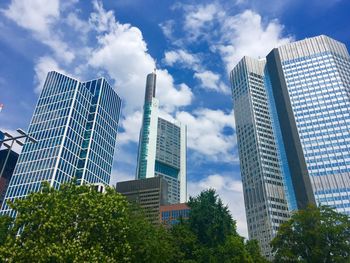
{"x":13,"y":139}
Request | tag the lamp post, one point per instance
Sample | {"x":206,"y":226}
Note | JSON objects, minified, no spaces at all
{"x":13,"y":139}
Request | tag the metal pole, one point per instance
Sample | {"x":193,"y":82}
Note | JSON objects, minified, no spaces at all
{"x":7,"y":156}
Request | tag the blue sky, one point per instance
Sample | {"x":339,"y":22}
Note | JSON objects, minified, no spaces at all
{"x":193,"y":44}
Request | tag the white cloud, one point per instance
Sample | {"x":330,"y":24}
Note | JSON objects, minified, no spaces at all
{"x":42,"y":67}
{"x":122,"y":52}
{"x":102,"y":20}
{"x":118,"y":176}
{"x":199,"y":17}
{"x":181,"y":57}
{"x":211,"y":80}
{"x":40,"y":17}
{"x":36,"y":15}
{"x":79,"y":25}
{"x":230,"y":191}
{"x":232,"y":36}
{"x":206,"y":133}
{"x":131,"y":125}
{"x":246,"y":35}
{"x":168,"y":28}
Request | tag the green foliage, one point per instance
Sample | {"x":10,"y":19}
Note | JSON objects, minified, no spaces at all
{"x":74,"y":224}
{"x":253,"y":249}
{"x":148,"y":243}
{"x":316,"y":234}
{"x":210,"y":220}
{"x":185,"y":243}
{"x":78,"y":224}
{"x":5,"y":223}
{"x":210,"y":233}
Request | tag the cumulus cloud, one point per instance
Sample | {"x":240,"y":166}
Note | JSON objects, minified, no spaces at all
{"x":181,"y":57}
{"x":42,"y":67}
{"x":230,"y":191}
{"x":232,"y":36}
{"x":36,"y":15}
{"x":131,"y":125}
{"x":207,"y":133}
{"x":246,"y":35}
{"x":40,"y":17}
{"x":212,"y":81}
{"x":198,"y":18}
{"x":122,"y":52}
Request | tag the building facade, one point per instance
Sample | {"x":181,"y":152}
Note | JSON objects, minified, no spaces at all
{"x":7,"y":171}
{"x":2,"y":136}
{"x":75,"y":124}
{"x":262,"y":175}
{"x":299,"y":99}
{"x":310,"y":83}
{"x":149,"y":193}
{"x":172,"y":214}
{"x":162,"y":147}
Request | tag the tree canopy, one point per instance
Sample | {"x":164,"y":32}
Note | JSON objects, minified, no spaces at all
{"x":79,"y":224}
{"x":315,"y":235}
{"x":210,"y":233}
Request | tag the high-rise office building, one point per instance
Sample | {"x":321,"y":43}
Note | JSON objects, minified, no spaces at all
{"x":305,"y":87}
{"x":261,"y":171}
{"x":149,"y":193}
{"x":310,"y":85}
{"x":162,"y":147}
{"x":6,"y":171}
{"x":75,"y":124}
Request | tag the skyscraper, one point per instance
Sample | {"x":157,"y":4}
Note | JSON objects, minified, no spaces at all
{"x":162,"y":147}
{"x":310,"y":84}
{"x":305,"y":89}
{"x":76,"y":126}
{"x":261,"y":171}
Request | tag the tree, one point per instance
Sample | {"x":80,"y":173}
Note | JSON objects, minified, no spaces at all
{"x":148,"y":242}
{"x":78,"y":224}
{"x":5,"y":223}
{"x":210,"y":232}
{"x":209,"y":219}
{"x":253,"y":249}
{"x":185,"y":243}
{"x":74,"y":224}
{"x":316,"y":234}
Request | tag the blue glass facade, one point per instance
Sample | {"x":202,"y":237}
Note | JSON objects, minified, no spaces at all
{"x":281,"y":151}
{"x":76,"y":125}
{"x":297,"y":100}
{"x":317,"y":77}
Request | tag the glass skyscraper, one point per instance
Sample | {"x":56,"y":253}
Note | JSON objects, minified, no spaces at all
{"x":307,"y":87}
{"x":162,"y":147}
{"x":261,"y":171}
{"x":310,"y":83}
{"x":76,"y":126}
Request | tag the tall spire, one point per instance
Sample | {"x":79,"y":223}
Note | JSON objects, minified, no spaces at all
{"x":150,"y":86}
